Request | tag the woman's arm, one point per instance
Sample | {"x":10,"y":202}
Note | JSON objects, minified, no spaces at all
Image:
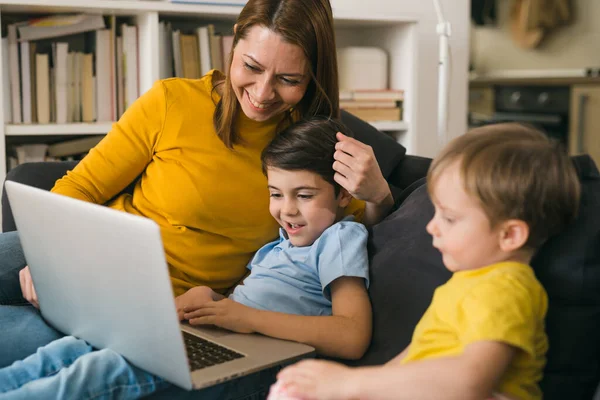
{"x":473,"y":375}
{"x":358,"y":172}
{"x":122,"y":155}
{"x":345,"y":334}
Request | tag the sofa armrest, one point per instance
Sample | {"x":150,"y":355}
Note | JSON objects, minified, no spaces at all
{"x":42,"y":175}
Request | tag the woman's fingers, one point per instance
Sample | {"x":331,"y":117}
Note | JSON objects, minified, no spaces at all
{"x":27,"y":287}
{"x":348,"y":144}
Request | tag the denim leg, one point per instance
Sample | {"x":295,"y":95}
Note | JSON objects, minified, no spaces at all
{"x":98,"y":375}
{"x":46,"y":361}
{"x":23,"y":331}
{"x":12,"y":260}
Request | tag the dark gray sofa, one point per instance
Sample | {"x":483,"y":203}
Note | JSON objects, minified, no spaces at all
{"x":406,"y":269}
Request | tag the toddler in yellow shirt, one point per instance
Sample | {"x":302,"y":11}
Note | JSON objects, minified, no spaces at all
{"x":499,"y":192}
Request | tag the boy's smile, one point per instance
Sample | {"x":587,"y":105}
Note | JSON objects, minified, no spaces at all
{"x":304,"y":204}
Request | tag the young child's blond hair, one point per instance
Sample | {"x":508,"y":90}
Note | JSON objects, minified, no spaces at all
{"x":515,"y":172}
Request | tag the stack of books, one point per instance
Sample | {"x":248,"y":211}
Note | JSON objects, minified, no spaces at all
{"x":69,"y":68}
{"x":191,"y":53}
{"x":373,"y":105}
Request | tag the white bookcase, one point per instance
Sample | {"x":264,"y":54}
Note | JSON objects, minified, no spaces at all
{"x":404,"y":28}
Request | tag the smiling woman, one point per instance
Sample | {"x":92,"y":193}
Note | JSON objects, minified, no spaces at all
{"x":281,"y":61}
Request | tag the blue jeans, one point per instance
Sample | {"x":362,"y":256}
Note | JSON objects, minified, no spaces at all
{"x":22,"y":327}
{"x":69,"y":368}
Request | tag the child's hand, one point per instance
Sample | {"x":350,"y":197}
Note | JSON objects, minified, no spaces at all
{"x":319,"y":380}
{"x":225,"y":313}
{"x":193,"y":299}
{"x":279,"y":392}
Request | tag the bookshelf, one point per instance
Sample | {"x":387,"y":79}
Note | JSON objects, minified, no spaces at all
{"x":404,"y":29}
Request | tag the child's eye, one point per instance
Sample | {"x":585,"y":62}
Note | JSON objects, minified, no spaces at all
{"x":449,"y":220}
{"x":276,"y":195}
{"x":305,"y":196}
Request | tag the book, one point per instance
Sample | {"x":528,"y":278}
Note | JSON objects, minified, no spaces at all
{"x":177,"y":63}
{"x":6,"y":95}
{"x":103,"y":64}
{"x":204,"y":48}
{"x":368,"y":104}
{"x":88,"y":89}
{"x":25,"y":82}
{"x":15,"y":74}
{"x":363,"y":94}
{"x":130,"y":60}
{"x":377,"y":114}
{"x":190,"y":58}
{"x":216,"y":56}
{"x":227,"y":44}
{"x":61,"y":59}
{"x":165,"y":50}
{"x":59,"y":25}
{"x":42,"y":87}
{"x":74,"y":146}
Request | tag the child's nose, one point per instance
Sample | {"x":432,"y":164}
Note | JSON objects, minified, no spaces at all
{"x":289,"y":208}
{"x":431,"y":228}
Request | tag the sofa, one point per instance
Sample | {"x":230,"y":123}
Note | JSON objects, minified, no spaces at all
{"x":406,"y":269}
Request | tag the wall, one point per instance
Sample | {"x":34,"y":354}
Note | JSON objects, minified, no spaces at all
{"x":572,"y":46}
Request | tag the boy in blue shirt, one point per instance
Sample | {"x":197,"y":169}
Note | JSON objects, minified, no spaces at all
{"x":309,"y":285}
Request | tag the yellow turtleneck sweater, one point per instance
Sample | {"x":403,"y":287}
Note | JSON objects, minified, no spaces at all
{"x":211,"y":203}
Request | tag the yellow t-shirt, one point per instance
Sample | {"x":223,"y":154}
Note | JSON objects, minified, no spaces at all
{"x":502,"y":302}
{"x":211,"y":202}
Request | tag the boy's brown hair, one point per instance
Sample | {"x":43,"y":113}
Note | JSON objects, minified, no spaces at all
{"x":515,"y":172}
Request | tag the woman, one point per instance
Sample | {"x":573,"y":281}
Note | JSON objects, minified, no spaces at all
{"x":197,"y":145}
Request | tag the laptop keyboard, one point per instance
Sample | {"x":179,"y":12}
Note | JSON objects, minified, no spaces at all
{"x":202,"y":353}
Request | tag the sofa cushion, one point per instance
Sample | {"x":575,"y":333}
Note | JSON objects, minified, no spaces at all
{"x":568,"y":266}
{"x":387,"y":151}
{"x":405,"y":270}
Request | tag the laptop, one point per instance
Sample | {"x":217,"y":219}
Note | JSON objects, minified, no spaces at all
{"x":101,"y":275}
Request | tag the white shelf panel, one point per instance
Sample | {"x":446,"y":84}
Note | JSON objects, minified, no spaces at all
{"x":58,"y":129}
{"x":342,"y":16}
{"x":390,"y":126}
{"x":119,"y":7}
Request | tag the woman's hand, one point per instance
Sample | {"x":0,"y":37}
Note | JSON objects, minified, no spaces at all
{"x":357,"y":170}
{"x":194,"y":299}
{"x":319,"y":380}
{"x":27,"y":287}
{"x":225,"y":313}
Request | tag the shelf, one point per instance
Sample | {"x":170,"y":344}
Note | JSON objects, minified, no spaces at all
{"x":58,"y":129}
{"x":390,"y":126}
{"x":128,"y":7}
{"x":119,"y":7}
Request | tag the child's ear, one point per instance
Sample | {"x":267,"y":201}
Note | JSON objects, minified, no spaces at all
{"x":344,"y":198}
{"x":514,"y":233}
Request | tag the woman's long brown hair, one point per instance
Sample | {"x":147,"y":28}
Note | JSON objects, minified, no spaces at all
{"x":307,"y":24}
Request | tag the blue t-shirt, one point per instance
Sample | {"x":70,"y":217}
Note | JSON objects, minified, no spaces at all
{"x":295,"y":280}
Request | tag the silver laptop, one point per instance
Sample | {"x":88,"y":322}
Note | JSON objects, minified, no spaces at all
{"x":101,"y":275}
